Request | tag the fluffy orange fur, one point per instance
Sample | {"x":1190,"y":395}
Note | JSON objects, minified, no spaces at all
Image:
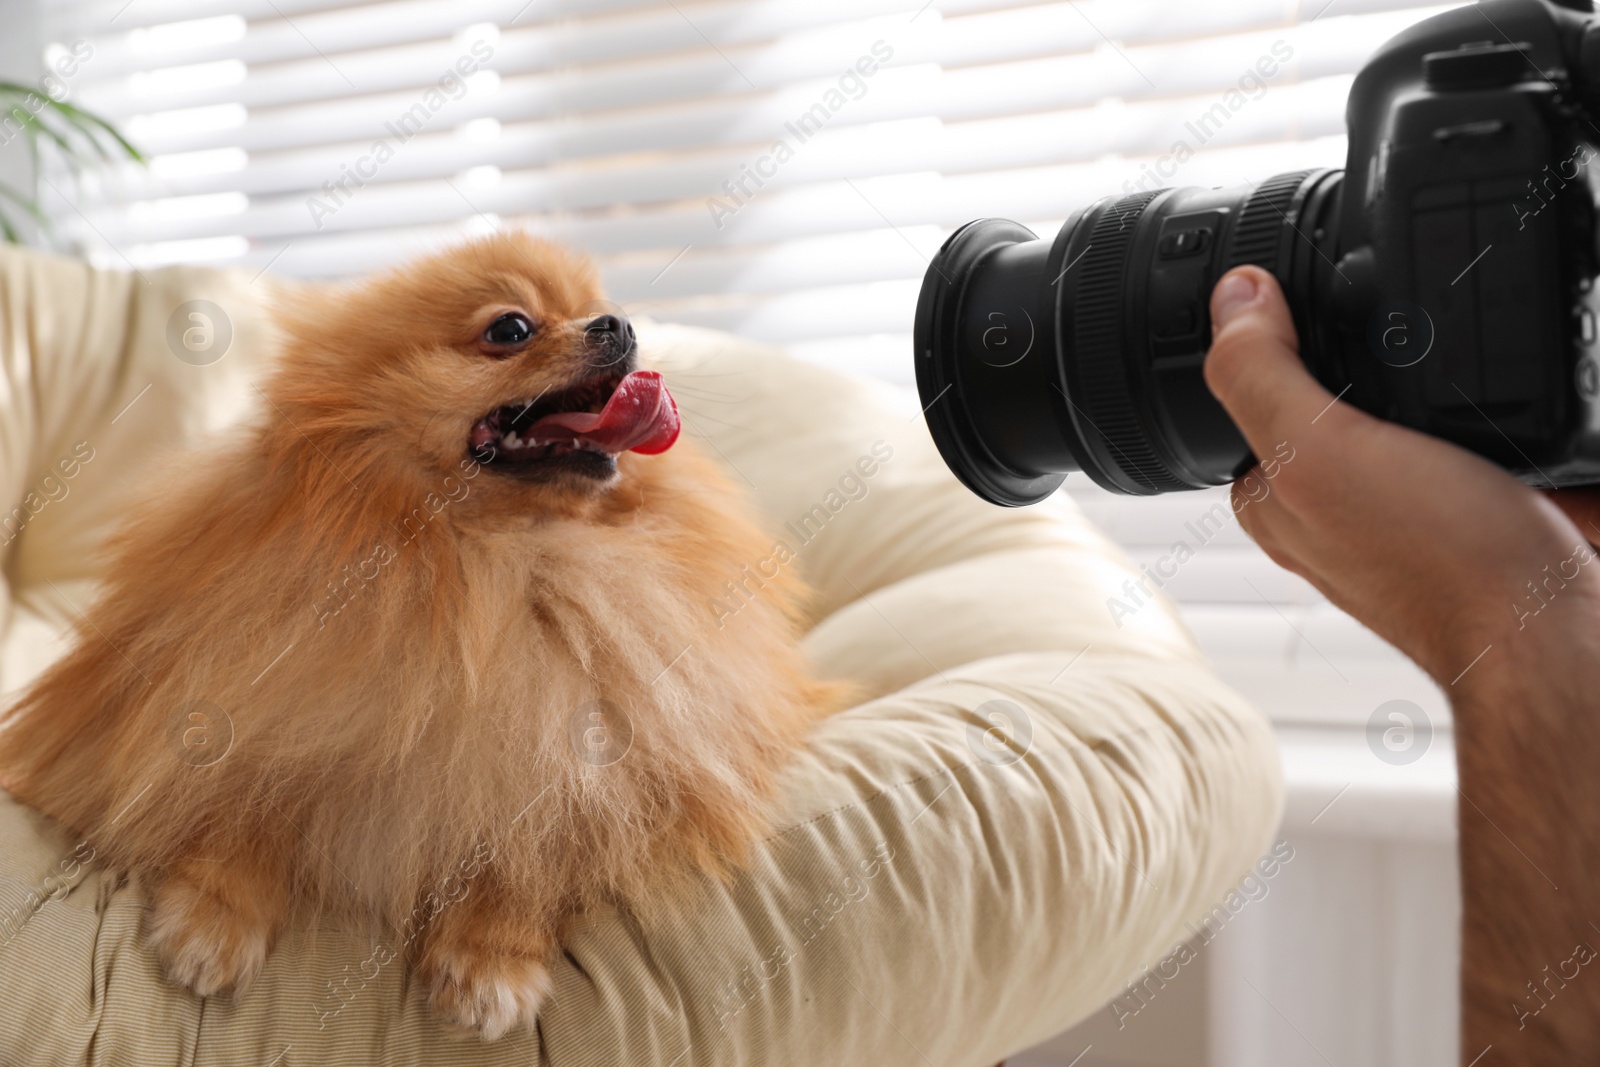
{"x":408,"y":645}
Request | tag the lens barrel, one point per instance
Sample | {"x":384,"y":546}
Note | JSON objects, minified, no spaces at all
{"x":1038,"y":358}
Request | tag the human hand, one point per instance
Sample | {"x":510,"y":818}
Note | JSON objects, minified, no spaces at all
{"x":1430,"y":545}
{"x":1485,"y":583}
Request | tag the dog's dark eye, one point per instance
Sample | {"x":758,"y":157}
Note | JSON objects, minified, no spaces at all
{"x":509,"y":329}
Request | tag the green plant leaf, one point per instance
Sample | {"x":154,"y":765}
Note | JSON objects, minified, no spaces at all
{"x":97,"y":127}
{"x":85,"y":141}
{"x":25,"y":204}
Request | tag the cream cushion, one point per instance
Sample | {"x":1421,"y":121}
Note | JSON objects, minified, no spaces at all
{"x":932,"y":893}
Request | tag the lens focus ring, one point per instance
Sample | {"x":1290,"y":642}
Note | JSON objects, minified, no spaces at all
{"x":1107,"y":399}
{"x":1258,"y":238}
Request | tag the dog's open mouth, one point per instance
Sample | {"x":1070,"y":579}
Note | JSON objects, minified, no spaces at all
{"x":594,"y":420}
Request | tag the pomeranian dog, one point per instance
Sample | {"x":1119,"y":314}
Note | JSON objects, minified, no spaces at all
{"x":434,"y":641}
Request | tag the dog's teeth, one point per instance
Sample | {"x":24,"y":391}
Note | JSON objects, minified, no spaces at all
{"x":511,"y":440}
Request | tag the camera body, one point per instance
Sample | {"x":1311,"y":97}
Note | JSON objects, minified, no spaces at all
{"x":1444,"y":280}
{"x":1469,"y":197}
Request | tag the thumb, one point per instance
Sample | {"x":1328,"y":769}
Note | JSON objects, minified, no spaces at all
{"x":1254,"y":366}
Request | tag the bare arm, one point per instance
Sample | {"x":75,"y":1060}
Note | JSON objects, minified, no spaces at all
{"x":1494,"y":590}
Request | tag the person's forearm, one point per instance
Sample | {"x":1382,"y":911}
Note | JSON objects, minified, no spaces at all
{"x":1491,"y":589}
{"x":1528,"y":753}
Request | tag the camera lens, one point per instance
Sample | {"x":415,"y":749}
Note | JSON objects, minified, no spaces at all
{"x":1036,"y":358}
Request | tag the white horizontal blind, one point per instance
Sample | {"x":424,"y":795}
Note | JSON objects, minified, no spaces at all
{"x":316,"y":135}
{"x":777,"y":168}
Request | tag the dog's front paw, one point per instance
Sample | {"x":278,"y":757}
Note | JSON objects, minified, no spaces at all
{"x":207,"y":943}
{"x":476,"y":990}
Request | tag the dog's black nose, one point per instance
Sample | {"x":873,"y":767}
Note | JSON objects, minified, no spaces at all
{"x":613,"y":333}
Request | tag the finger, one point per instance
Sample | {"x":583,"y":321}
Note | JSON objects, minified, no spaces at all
{"x":1254,"y":366}
{"x":1250,"y":519}
{"x":1264,"y":520}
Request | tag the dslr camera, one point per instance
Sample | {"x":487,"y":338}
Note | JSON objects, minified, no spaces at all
{"x":1443,"y":280}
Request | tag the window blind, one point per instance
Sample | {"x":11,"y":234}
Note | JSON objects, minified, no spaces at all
{"x":781,"y":169}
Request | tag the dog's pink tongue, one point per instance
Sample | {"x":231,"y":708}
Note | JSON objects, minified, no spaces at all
{"x":641,"y":416}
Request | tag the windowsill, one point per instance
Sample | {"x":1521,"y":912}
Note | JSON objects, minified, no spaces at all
{"x":1335,"y":786}
{"x":1300,"y":688}
{"x":1334,"y":783}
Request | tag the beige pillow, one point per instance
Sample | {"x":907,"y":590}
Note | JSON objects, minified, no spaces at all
{"x":930,"y":895}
